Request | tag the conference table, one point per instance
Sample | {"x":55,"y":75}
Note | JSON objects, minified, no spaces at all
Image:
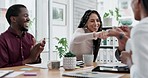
{"x":48,"y":73}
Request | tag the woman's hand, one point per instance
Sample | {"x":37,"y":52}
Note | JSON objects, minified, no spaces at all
{"x":102,"y":34}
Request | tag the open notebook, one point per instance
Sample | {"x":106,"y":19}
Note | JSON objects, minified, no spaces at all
{"x":5,"y":72}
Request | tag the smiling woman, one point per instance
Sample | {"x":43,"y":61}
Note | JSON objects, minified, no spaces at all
{"x":86,"y":38}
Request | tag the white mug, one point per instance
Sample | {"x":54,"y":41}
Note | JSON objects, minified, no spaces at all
{"x":88,"y":59}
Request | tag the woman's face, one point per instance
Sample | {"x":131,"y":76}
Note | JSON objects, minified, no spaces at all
{"x":93,"y":23}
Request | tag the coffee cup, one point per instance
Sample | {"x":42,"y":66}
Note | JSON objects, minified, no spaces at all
{"x":53,"y":65}
{"x":88,"y":59}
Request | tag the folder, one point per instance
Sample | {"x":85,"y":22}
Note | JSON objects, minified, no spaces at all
{"x":119,"y":68}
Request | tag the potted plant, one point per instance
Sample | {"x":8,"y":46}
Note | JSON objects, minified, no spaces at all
{"x":62,"y":46}
{"x":107,"y":17}
{"x":108,"y":14}
{"x":69,"y":61}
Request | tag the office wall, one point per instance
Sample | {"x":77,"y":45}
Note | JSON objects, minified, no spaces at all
{"x":59,"y":28}
{"x":79,"y":7}
{"x":42,"y":27}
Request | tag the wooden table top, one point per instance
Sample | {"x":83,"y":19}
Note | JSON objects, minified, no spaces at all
{"x":47,"y":73}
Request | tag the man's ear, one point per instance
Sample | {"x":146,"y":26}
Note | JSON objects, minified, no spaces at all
{"x":139,"y":3}
{"x":13,"y":19}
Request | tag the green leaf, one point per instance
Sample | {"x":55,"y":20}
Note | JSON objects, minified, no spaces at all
{"x":69,"y":54}
{"x":106,"y":15}
{"x":111,"y":12}
{"x":62,"y":46}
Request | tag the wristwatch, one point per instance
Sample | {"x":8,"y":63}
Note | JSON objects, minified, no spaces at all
{"x":121,"y":36}
{"x":94,"y":35}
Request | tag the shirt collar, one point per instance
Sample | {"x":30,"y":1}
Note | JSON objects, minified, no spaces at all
{"x":12,"y":31}
{"x":144,"y":19}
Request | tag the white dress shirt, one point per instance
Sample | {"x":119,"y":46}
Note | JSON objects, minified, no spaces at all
{"x":139,"y":47}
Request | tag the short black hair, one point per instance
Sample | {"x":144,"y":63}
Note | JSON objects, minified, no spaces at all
{"x":145,"y":5}
{"x":13,"y":10}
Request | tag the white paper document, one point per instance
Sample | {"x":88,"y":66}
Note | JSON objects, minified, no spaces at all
{"x":44,"y":66}
{"x":5,"y":72}
{"x":14,"y":74}
{"x":112,"y":64}
{"x":90,"y":74}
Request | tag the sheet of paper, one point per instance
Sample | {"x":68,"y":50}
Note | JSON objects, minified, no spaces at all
{"x":112,"y":64}
{"x":5,"y":72}
{"x":44,"y":66}
{"x":14,"y":74}
{"x":90,"y":74}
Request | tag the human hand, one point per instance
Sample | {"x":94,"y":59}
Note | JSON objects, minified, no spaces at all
{"x":126,"y":30}
{"x":114,"y":32}
{"x":35,"y":51}
{"x":43,"y":42}
{"x":122,"y":34}
{"x":117,"y":30}
{"x":102,"y":34}
{"x":125,"y":58}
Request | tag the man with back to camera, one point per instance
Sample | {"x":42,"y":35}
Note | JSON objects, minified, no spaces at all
{"x":136,"y":52}
{"x":17,"y":46}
